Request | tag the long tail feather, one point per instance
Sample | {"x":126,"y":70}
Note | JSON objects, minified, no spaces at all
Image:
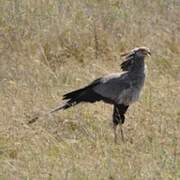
{"x":60,"y":107}
{"x":73,"y":98}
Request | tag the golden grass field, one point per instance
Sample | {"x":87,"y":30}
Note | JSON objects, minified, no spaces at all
{"x":50,"y":47}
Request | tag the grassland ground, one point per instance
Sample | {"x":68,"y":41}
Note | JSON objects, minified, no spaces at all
{"x":48,"y":48}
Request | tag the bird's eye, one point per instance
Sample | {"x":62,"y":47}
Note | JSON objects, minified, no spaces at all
{"x":144,"y":52}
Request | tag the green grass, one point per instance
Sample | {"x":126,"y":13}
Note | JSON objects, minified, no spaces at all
{"x":48,"y":48}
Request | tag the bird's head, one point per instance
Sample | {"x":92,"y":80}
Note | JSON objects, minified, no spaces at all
{"x":141,"y":51}
{"x":134,"y":54}
{"x":138,"y":51}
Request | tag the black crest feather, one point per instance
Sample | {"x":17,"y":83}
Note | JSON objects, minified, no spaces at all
{"x":127,"y":63}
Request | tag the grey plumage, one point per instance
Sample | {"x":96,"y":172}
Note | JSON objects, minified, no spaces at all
{"x":119,"y":89}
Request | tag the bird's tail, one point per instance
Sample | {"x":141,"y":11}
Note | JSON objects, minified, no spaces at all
{"x":71,"y":98}
{"x":34,"y":119}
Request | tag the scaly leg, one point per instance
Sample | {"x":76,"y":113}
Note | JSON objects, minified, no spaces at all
{"x":115,"y":133}
{"x":119,"y":118}
{"x":122,"y":134}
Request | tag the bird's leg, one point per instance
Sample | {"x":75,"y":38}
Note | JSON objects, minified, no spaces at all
{"x":115,"y":133}
{"x":116,"y":117}
{"x":119,"y":118}
{"x":121,"y":129}
{"x":121,"y":122}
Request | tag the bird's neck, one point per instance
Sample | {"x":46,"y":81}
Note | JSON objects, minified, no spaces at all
{"x":138,"y":66}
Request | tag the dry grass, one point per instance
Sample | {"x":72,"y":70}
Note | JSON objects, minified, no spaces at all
{"x":50,"y":47}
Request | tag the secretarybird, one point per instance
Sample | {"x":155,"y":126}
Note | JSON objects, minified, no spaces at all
{"x":119,"y":89}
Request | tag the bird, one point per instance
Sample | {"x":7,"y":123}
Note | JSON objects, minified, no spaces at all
{"x":118,"y":89}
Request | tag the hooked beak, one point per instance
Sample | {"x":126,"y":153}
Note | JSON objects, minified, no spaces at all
{"x":149,"y":53}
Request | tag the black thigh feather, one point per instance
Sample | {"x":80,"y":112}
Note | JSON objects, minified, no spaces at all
{"x":118,"y":113}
